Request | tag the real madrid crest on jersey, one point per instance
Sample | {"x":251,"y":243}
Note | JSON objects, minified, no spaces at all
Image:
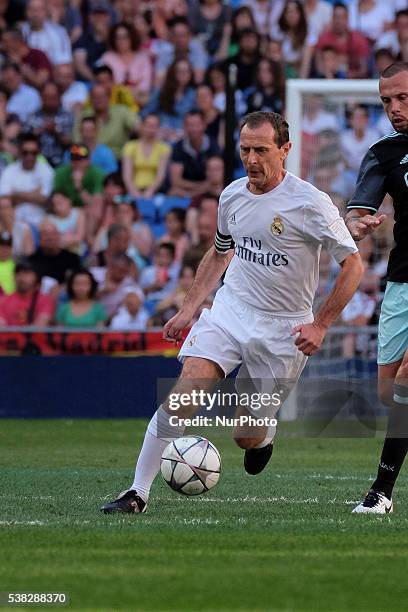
{"x":277,"y":226}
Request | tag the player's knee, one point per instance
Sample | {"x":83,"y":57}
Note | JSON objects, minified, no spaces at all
{"x":246,"y":443}
{"x":402,"y":374}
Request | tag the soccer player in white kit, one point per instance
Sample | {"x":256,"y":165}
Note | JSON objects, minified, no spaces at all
{"x":271,"y":228}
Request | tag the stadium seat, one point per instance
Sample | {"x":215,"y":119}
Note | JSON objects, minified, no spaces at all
{"x":158,"y":230}
{"x":170,"y":202}
{"x":147,"y":210}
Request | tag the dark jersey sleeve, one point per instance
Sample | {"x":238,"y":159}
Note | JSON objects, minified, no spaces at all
{"x":370,"y":189}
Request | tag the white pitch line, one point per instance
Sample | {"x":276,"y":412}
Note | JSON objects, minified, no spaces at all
{"x":257,"y":500}
{"x":11,"y":523}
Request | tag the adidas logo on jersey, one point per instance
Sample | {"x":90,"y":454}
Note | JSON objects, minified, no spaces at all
{"x":404,"y":160}
{"x":232,"y":219}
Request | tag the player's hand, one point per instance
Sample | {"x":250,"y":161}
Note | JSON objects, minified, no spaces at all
{"x":310,"y":337}
{"x":173,"y":330}
{"x":361,"y":227}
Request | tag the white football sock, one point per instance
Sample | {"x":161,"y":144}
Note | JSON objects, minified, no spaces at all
{"x":159,"y":433}
{"x":270,"y":434}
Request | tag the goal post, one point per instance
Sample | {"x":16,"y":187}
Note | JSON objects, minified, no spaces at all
{"x":343,"y":90}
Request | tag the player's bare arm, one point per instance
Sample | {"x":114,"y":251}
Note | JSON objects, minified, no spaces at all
{"x":312,"y":335}
{"x":361,"y":223}
{"x":210,"y":270}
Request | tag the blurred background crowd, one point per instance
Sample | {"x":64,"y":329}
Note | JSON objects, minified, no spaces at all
{"x":112,"y":123}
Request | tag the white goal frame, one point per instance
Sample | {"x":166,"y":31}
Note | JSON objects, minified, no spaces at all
{"x":296,"y":88}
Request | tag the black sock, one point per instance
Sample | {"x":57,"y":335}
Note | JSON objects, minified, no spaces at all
{"x":392,"y":458}
{"x":395,"y":448}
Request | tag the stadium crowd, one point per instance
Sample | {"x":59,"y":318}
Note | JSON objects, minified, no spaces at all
{"x":112,"y":118}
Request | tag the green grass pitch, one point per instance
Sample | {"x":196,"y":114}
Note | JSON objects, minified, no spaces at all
{"x":284,"y":540}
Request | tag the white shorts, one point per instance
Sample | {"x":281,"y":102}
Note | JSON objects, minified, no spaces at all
{"x":232,"y":334}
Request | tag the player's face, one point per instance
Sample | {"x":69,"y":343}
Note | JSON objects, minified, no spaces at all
{"x":262,"y":158}
{"x":394,"y":96}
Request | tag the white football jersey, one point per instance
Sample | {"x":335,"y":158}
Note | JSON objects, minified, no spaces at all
{"x":278,"y":237}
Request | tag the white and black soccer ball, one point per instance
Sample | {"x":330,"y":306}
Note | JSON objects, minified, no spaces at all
{"x":191,"y":465}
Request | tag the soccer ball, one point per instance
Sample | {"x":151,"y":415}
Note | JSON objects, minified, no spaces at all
{"x":191,"y":465}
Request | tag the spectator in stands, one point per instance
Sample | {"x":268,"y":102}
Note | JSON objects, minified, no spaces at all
{"x":396,"y":40}
{"x":181,"y":45}
{"x":316,"y":118}
{"x":214,"y":174}
{"x":268,"y":93}
{"x":163,"y":15}
{"x":126,"y":10}
{"x":66,"y":15}
{"x":113,"y":186}
{"x":210,"y":113}
{"x":264,"y":14}
{"x":327,"y":175}
{"x":206,"y":204}
{"x":126,"y":213}
{"x":362,"y":306}
{"x":145,"y":160}
{"x":114,"y":282}
{"x":52,"y":124}
{"x":114,"y":122}
{"x":371,"y":18}
{"x":73,"y":93}
{"x":354,"y":143}
{"x":93,"y":43}
{"x":273,"y":50}
{"x":209,"y":19}
{"x":7,"y":265}
{"x":292,"y":31}
{"x":11,"y":13}
{"x":246,"y":59}
{"x":206,"y":228}
{"x":41,"y":33}
{"x":117,"y":93}
{"x":10,"y":131}
{"x":319,"y":14}
{"x":131,"y":316}
{"x":160,"y":279}
{"x":28,"y":182}
{"x":82,"y":183}
{"x":34,"y":64}
{"x":23,"y":243}
{"x":69,"y":221}
{"x":22,"y":99}
{"x":174,"y":100}
{"x":216,"y":79}
{"x":187,"y":169}
{"x":130,"y":65}
{"x":148,"y":44}
{"x":51,"y":259}
{"x":244,"y":18}
{"x":176,"y":232}
{"x":101,"y":156}
{"x":82,"y":309}
{"x":382,"y":59}
{"x":6,"y":156}
{"x":119,"y":242}
{"x":351,"y":45}
{"x":171,"y":304}
{"x":330,"y":65}
{"x":27,"y":305}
